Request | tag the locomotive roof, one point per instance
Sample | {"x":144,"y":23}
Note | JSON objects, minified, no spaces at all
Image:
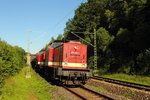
{"x":64,"y":41}
{"x":59,"y":42}
{"x":54,"y":44}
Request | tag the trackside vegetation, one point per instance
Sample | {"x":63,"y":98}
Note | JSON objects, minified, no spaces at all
{"x":12,"y":59}
{"x":130,"y":78}
{"x":19,"y":87}
{"x":122,"y":30}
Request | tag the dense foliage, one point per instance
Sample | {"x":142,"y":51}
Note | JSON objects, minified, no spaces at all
{"x":12,"y":59}
{"x":123,"y":32}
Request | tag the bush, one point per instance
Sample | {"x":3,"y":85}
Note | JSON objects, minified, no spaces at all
{"x":143,"y":63}
{"x":12,"y":59}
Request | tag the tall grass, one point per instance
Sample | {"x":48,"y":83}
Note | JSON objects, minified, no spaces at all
{"x":22,"y":88}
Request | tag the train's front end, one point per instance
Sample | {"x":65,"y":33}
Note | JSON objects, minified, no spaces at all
{"x":72,"y":62}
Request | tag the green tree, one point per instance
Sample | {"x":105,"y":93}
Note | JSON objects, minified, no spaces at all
{"x":143,"y":63}
{"x":12,"y":59}
{"x":122,"y":31}
{"x":59,"y":37}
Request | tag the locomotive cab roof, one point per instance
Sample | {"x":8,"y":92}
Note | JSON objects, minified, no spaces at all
{"x":59,"y":42}
{"x":54,"y":44}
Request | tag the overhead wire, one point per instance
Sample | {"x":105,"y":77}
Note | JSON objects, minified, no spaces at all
{"x":59,"y":23}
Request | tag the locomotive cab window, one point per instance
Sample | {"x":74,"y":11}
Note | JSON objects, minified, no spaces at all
{"x":55,"y":44}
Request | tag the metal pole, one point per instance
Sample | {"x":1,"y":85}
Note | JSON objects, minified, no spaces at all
{"x":28,"y":39}
{"x":95,"y":51}
{"x":28,"y":47}
{"x":95,"y":46}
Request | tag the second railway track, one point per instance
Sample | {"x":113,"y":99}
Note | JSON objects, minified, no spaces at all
{"x":124,"y":83}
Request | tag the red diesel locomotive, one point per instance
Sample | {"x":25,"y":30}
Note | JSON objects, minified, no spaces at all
{"x":66,"y":61}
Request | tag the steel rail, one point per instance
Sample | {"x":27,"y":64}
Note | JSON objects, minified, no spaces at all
{"x":124,"y":83}
{"x":96,"y":93}
{"x":78,"y":95}
{"x":88,"y":90}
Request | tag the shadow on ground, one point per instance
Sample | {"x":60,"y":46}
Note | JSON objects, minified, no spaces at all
{"x":49,"y":79}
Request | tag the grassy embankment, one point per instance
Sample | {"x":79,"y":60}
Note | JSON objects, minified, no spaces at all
{"x":22,"y":87}
{"x":130,"y":78}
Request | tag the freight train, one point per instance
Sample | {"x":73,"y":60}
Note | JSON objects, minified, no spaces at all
{"x":65,"y":61}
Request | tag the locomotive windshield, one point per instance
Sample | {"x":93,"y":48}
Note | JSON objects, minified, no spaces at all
{"x":53,"y":45}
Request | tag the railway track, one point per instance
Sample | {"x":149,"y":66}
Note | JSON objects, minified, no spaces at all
{"x":124,"y":83}
{"x":84,"y":93}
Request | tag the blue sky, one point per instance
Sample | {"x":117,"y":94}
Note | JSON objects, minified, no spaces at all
{"x":43,"y":19}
